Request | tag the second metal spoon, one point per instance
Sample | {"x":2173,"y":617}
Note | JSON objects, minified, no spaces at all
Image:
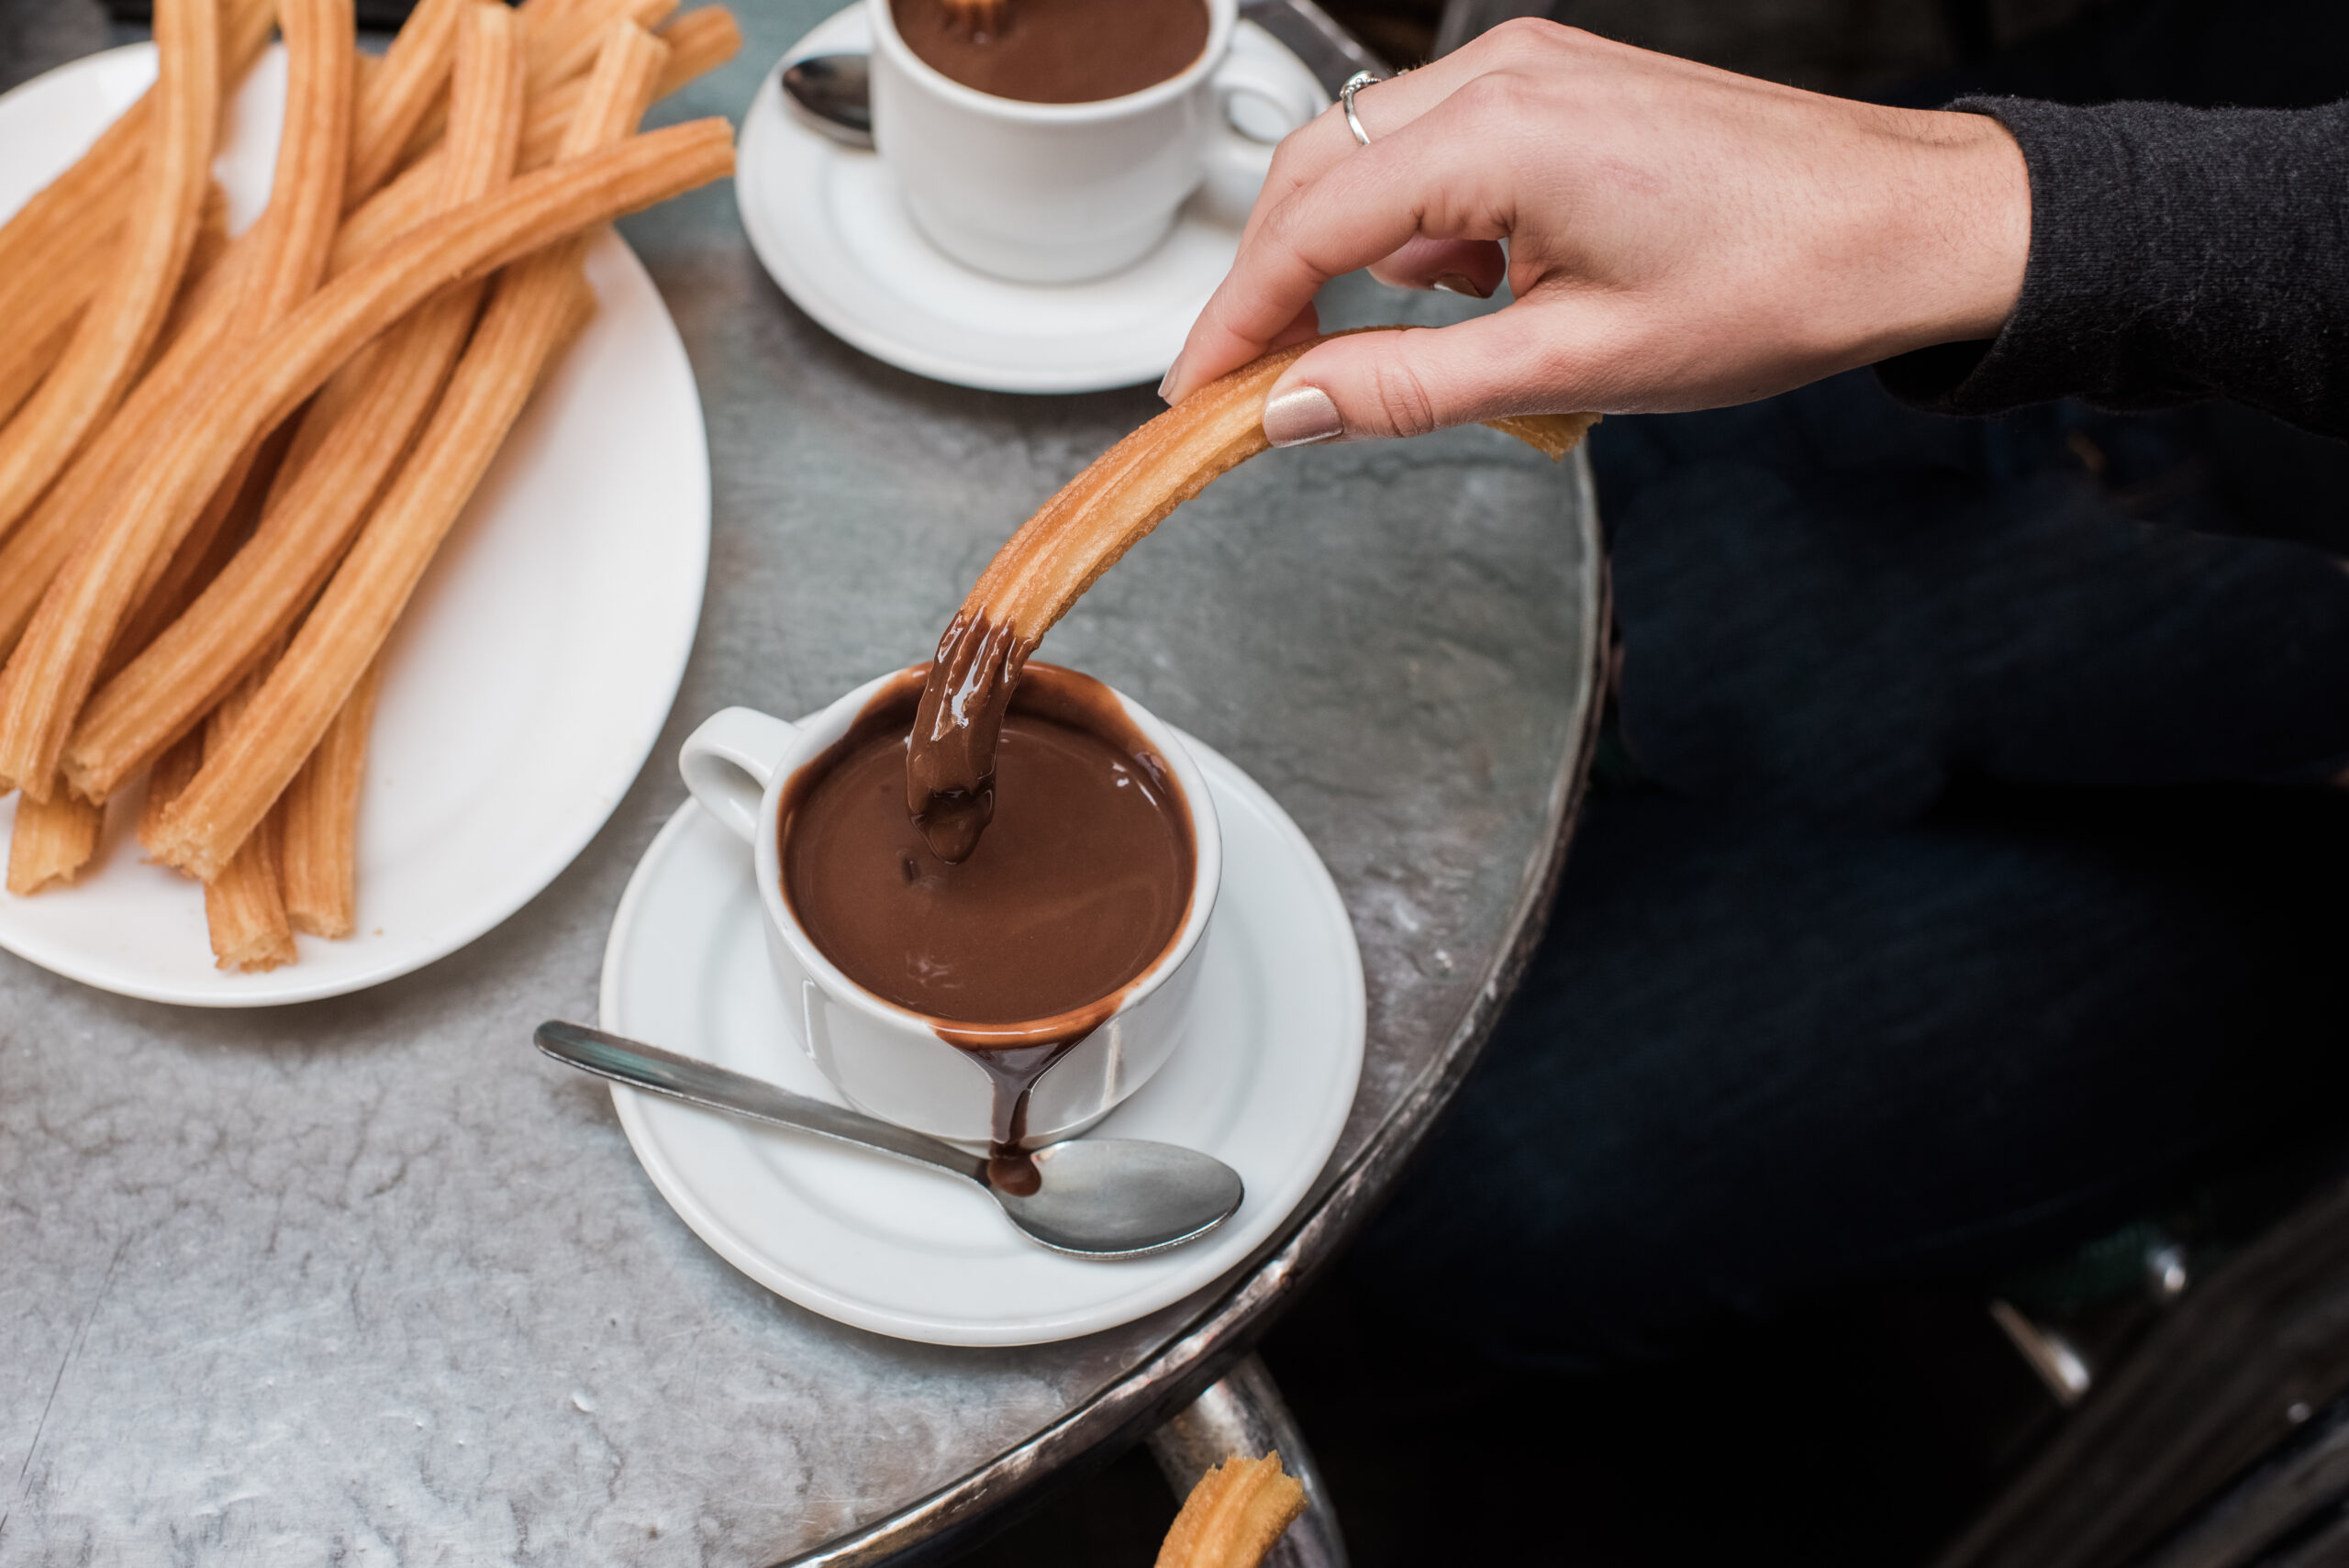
{"x":1101,"y":1197}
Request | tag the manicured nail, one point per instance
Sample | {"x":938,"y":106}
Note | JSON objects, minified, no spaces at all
{"x":1168,"y":379}
{"x":1300,"y":416}
{"x":1455,"y":283}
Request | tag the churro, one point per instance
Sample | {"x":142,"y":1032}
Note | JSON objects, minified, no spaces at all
{"x":165,"y":780}
{"x":53,"y":838}
{"x":50,"y":672}
{"x":48,"y":268}
{"x":699,"y":41}
{"x":535,"y":308}
{"x":400,"y":93}
{"x":244,"y":903}
{"x":355,"y":429}
{"x":321,"y":815}
{"x":110,"y":341}
{"x":1058,"y":553}
{"x":562,"y":43}
{"x":1233,"y":1516}
{"x":20,"y":372}
{"x":52,"y":841}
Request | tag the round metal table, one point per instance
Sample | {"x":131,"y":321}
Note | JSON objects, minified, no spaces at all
{"x":369,"y":1277}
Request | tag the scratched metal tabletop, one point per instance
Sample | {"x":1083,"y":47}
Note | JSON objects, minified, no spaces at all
{"x":370,"y":1281}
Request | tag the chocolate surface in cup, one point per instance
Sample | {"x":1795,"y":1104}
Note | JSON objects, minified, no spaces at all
{"x":1058,"y":51}
{"x":1019,"y":952}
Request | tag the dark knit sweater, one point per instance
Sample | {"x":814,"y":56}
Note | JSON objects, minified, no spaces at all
{"x":2175,"y":254}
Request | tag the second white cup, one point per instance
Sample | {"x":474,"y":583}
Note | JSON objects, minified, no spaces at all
{"x":1059,"y":192}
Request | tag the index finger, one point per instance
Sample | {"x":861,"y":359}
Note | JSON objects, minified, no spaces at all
{"x":1420,"y":179}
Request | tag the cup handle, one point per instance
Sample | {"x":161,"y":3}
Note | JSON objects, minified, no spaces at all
{"x":1290,"y":98}
{"x":729,"y":761}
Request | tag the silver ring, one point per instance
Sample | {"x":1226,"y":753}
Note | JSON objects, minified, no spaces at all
{"x":1355,"y":84}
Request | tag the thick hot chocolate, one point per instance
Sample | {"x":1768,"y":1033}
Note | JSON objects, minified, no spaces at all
{"x":1057,"y":51}
{"x":1081,"y":881}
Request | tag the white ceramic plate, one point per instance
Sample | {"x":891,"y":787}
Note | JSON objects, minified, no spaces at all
{"x":1264,"y":1083}
{"x":528,"y":679}
{"x":828,"y":223}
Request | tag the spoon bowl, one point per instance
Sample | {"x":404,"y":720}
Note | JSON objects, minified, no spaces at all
{"x":1096,"y":1197}
{"x":832,"y":95}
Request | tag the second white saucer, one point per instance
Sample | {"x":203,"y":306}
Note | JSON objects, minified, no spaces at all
{"x":828,"y":224}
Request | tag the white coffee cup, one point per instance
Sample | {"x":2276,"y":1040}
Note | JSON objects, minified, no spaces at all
{"x":1057,"y":193}
{"x":888,"y":1060}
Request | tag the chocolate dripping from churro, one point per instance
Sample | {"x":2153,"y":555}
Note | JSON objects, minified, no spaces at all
{"x":950,"y":761}
{"x":1097,"y":829}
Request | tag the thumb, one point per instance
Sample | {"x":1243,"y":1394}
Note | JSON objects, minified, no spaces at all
{"x":1410,"y":381}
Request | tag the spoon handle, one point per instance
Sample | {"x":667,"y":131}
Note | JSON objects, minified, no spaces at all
{"x":642,"y":1066}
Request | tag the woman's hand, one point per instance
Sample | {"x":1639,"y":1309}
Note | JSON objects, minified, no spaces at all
{"x":1679,"y":238}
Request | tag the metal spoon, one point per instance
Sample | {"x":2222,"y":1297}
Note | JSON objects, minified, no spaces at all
{"x":831,"y":94}
{"x":1101,"y":1197}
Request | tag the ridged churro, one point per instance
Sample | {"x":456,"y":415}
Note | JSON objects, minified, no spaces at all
{"x":561,"y":42}
{"x":244,"y":901}
{"x":358,"y":426}
{"x":321,"y":818}
{"x":699,"y":41}
{"x":1058,"y":553}
{"x":50,"y":674}
{"x":1233,"y":1516}
{"x":401,"y":91}
{"x":110,"y":341}
{"x":52,"y":841}
{"x":535,"y":308}
{"x":170,"y":775}
{"x":49,"y":269}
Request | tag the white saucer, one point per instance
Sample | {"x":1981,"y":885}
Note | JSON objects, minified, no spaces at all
{"x":1264,"y":1083}
{"x":828,"y":223}
{"x":527,"y":681}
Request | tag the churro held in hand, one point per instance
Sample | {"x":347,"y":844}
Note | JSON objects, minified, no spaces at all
{"x":1058,"y":552}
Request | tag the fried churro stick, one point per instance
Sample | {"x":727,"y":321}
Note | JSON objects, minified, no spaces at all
{"x":38,"y":332}
{"x":244,"y":907}
{"x":402,"y":91}
{"x":320,"y":810}
{"x":1058,"y":552}
{"x":21,"y":373}
{"x":227,"y":522}
{"x":110,"y":341}
{"x":356,"y":429}
{"x":562,"y":42}
{"x":50,"y":674}
{"x":534,"y":310}
{"x":170,"y":775}
{"x":51,"y":842}
{"x":244,"y":774}
{"x":1233,"y":1516}
{"x":48,"y":270}
{"x":53,"y":838}
{"x":700,"y":40}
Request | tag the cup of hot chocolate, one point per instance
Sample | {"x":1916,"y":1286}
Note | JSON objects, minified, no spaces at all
{"x":1012,"y":998}
{"x":1055,"y":143}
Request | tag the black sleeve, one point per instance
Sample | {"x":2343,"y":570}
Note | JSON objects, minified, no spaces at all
{"x":2175,"y":254}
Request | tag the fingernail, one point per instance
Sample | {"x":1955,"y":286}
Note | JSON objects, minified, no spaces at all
{"x":1168,"y":379}
{"x":1300,"y":416}
{"x":1455,"y":283}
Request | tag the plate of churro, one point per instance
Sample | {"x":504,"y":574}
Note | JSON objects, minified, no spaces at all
{"x":354,"y":496}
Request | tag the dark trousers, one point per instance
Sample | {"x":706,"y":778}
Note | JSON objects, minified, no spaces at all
{"x":1961,"y":879}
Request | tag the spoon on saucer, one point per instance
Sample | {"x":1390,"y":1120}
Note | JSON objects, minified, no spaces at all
{"x":1101,"y":1197}
{"x":831,"y":95}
